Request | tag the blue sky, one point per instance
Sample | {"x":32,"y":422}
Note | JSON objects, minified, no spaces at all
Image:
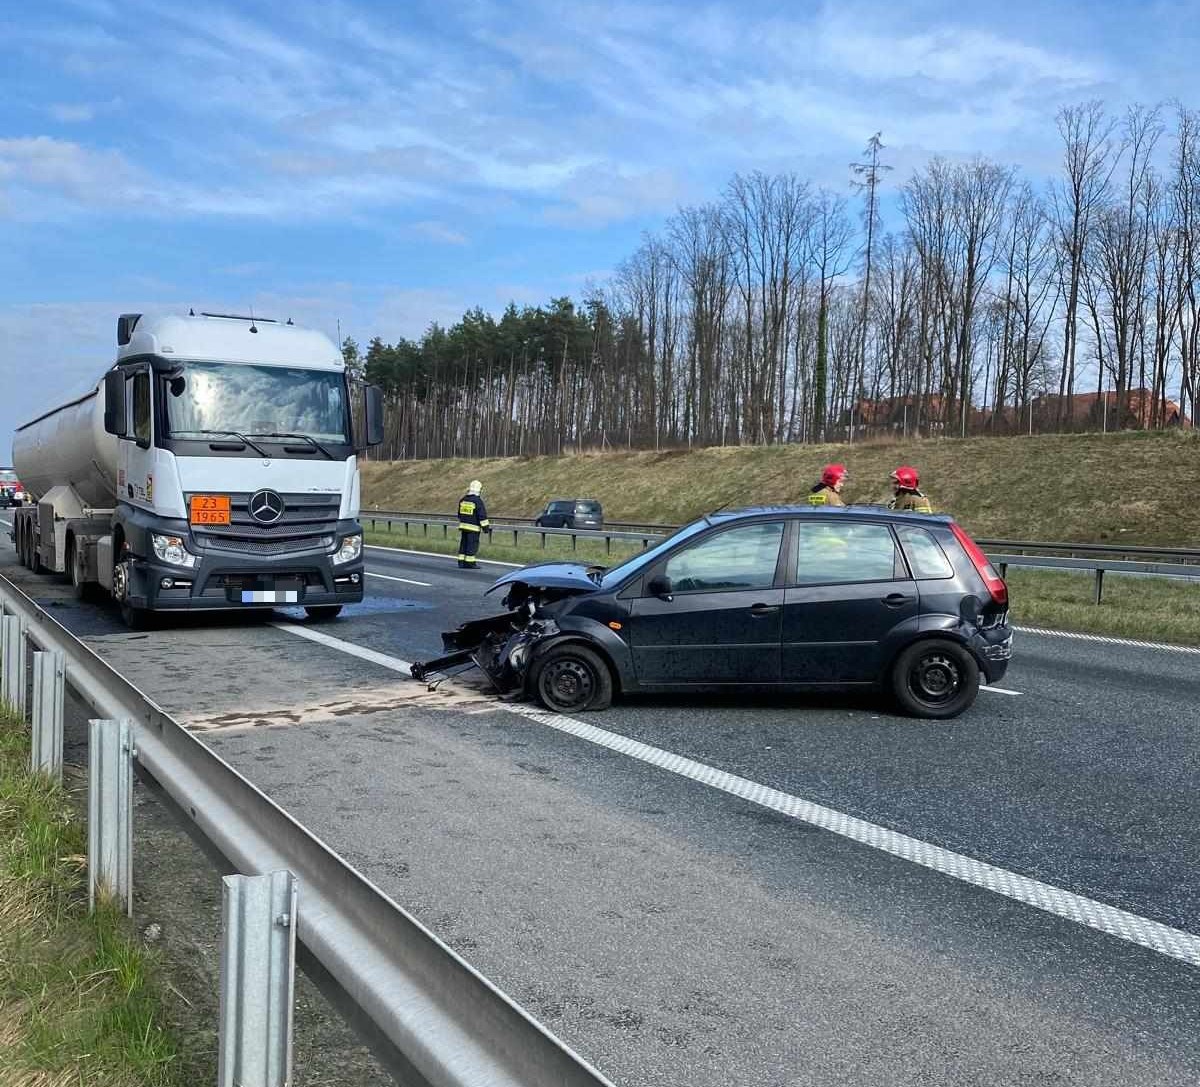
{"x":389,"y":164}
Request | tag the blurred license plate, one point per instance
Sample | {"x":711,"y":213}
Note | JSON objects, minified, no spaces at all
{"x":264,"y":591}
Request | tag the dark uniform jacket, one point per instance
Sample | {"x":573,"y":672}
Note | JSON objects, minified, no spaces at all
{"x":472,"y":514}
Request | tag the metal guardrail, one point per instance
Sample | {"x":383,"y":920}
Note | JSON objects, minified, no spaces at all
{"x":448,"y":526}
{"x":429,"y":1016}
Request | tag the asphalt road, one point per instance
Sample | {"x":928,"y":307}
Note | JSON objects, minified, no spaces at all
{"x":676,"y":934}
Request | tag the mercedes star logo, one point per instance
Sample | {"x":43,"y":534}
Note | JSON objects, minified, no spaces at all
{"x":266,"y":507}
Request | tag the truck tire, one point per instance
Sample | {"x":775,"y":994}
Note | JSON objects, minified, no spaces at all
{"x":321,"y":613}
{"x":133,"y":618}
{"x":79,"y":587}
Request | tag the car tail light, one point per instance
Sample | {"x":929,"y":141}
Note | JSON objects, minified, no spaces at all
{"x":993,"y":581}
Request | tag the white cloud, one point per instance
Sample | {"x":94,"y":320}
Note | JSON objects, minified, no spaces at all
{"x":439,"y":232}
{"x":69,"y":114}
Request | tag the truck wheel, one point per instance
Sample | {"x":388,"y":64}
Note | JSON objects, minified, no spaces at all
{"x":935,"y":678}
{"x":79,"y":587}
{"x":133,"y":618}
{"x":572,"y":679}
{"x":321,"y":613}
{"x":31,"y":548}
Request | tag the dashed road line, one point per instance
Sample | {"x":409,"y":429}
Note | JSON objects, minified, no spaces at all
{"x":1103,"y":639}
{"x":406,"y":580}
{"x":998,"y":690}
{"x":1131,"y":927}
{"x":443,"y":555}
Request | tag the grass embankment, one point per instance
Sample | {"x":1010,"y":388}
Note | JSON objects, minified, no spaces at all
{"x":1133,"y":487}
{"x":79,"y":999}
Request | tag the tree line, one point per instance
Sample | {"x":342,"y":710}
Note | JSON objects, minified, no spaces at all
{"x":783,"y":312}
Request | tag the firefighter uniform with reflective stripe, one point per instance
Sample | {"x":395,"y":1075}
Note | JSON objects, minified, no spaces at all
{"x":825,"y":496}
{"x":913,"y":501}
{"x":472,"y":520}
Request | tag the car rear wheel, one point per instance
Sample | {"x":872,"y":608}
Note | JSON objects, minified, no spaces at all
{"x":935,"y":678}
{"x":572,"y":679}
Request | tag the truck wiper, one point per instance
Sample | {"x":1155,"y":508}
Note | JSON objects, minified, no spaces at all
{"x":234,"y":434}
{"x":302,"y":437}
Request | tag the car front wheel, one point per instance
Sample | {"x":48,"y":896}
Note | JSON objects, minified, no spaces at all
{"x":935,"y":678}
{"x":572,"y":679}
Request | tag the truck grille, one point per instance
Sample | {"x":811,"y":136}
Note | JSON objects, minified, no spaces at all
{"x":308,"y":523}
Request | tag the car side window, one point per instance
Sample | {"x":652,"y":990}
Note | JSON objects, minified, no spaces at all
{"x":738,"y":558}
{"x":833,"y":553}
{"x":925,"y":554}
{"x":141,"y":408}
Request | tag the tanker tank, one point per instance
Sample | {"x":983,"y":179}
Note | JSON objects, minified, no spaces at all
{"x":68,"y":446}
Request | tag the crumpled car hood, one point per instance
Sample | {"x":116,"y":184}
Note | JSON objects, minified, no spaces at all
{"x":571,"y":576}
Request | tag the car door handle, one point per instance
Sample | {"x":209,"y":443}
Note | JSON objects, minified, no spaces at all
{"x":897,"y":600}
{"x":757,"y":611}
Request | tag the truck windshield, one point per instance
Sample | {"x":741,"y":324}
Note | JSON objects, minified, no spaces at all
{"x":208,"y":398}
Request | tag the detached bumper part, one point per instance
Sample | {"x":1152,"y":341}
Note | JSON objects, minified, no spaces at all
{"x":500,"y":648}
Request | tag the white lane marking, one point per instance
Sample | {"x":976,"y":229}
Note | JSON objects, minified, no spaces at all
{"x":443,"y":555}
{"x":6,"y":524}
{"x":1104,"y":640}
{"x":406,"y":580}
{"x":384,"y":660}
{"x":1135,"y":929}
{"x":997,"y":690}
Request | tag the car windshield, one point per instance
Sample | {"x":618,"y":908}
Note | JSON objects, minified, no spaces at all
{"x":617,"y":574}
{"x":7,"y":476}
{"x":207,"y":398}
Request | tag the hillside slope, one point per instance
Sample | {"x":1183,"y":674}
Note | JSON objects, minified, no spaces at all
{"x":1134,"y":487}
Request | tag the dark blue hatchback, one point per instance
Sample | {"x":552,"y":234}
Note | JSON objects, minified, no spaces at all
{"x":774,"y":597}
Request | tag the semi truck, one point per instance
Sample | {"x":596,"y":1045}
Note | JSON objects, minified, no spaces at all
{"x":215,"y":465}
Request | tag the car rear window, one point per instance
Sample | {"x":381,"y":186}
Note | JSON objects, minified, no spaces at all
{"x":831,"y":553}
{"x":925,"y":555}
{"x":587,"y":507}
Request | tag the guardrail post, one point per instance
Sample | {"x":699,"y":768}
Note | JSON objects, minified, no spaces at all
{"x":12,"y":660}
{"x":445,"y":532}
{"x":110,"y":811}
{"x":49,"y":682}
{"x":543,"y":541}
{"x":608,"y":545}
{"x":1004,"y":570}
{"x":574,"y":542}
{"x":1099,"y":584}
{"x":258,"y":972}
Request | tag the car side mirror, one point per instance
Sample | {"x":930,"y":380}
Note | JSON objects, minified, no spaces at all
{"x":116,"y":417}
{"x":373,"y":410}
{"x":660,"y":586}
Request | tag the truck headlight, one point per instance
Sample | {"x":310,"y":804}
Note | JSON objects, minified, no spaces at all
{"x":171,"y":550}
{"x":349,"y":549}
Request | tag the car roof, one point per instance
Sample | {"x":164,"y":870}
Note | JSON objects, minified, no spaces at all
{"x":856,"y":512}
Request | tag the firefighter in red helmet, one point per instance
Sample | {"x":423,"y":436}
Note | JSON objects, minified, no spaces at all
{"x":828,"y":491}
{"x":906,"y":486}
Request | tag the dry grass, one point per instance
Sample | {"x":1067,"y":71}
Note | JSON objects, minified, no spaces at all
{"x":1131,"y":487}
{"x":79,"y":1001}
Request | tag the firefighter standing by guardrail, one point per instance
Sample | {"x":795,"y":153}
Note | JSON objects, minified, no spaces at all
{"x":908,"y":496}
{"x":472,"y":522}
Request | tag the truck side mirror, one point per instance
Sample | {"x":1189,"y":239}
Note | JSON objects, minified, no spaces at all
{"x":373,"y":405}
{"x":116,"y":417}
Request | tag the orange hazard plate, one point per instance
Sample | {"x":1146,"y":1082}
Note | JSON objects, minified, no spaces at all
{"x":210,"y":509}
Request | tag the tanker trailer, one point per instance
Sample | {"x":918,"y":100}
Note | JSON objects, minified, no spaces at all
{"x":214,"y":466}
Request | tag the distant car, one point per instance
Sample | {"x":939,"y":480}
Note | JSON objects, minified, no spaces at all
{"x":571,"y":513}
{"x":11,"y":491}
{"x":771,"y":598}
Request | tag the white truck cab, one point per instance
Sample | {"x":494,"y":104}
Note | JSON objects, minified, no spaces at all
{"x":214,"y":466}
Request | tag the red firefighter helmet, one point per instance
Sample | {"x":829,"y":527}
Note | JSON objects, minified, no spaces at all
{"x":907,"y":478}
{"x":833,"y":474}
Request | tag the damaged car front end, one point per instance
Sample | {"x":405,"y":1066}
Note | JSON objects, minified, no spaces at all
{"x":504,"y":646}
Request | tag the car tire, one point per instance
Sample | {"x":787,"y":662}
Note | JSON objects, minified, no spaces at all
{"x":322,"y":613}
{"x":572,"y":679}
{"x":935,"y":678}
